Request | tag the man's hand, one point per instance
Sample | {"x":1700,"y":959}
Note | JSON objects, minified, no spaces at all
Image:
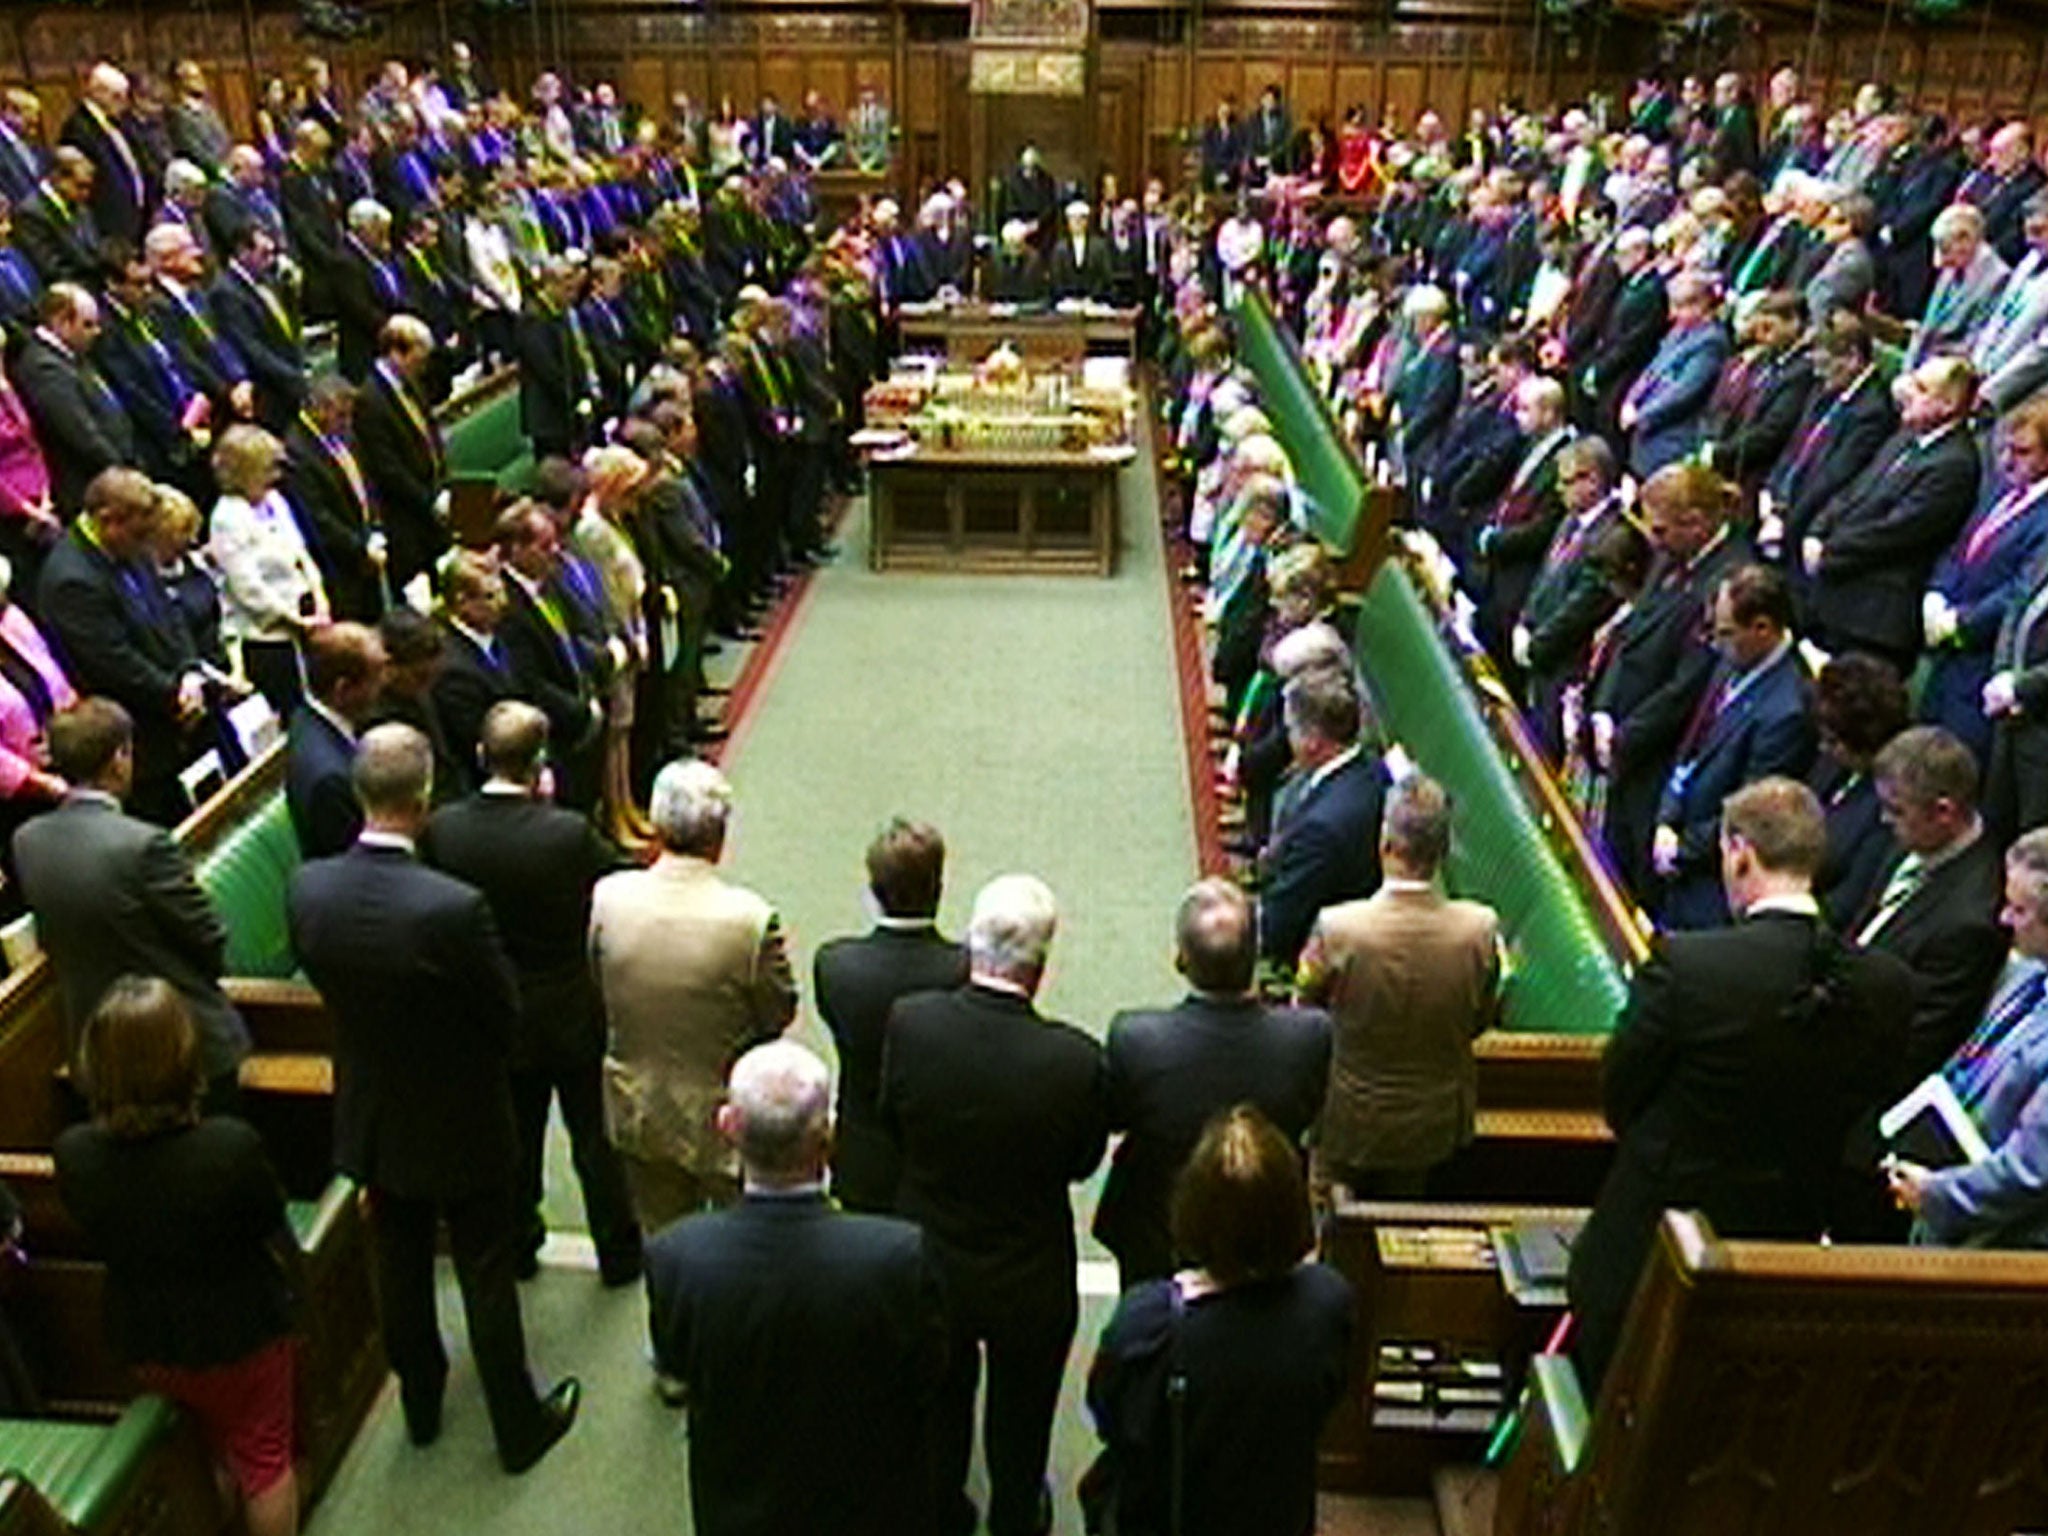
{"x":1628,"y":417}
{"x":1809,"y":555}
{"x":191,"y":702}
{"x":377,"y":548}
{"x":1938,"y":619}
{"x":1664,"y":851}
{"x":2000,"y":696}
{"x":242,"y":399}
{"x":1602,"y":726}
{"x":1908,"y":1183}
{"x":1520,"y":644}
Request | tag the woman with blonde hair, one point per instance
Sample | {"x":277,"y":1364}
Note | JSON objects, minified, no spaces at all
{"x":271,"y":592}
{"x":603,"y":535}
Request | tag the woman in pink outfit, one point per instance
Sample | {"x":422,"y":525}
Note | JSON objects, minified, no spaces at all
{"x":32,"y":689}
{"x":28,"y":522}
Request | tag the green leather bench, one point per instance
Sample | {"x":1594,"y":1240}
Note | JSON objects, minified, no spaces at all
{"x":1567,"y":978}
{"x":488,"y":443}
{"x":245,"y":876}
{"x":145,"y":1471}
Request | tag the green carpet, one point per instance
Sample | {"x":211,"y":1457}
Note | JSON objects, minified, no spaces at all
{"x":1036,"y":722}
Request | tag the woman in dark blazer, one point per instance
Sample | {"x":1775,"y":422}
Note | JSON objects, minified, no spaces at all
{"x":189,"y":1217}
{"x":1260,"y":1339}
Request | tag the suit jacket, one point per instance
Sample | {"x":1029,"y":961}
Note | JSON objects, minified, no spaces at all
{"x":996,"y":1110}
{"x":408,"y":962}
{"x":1517,"y":535}
{"x":338,"y":522}
{"x":856,"y":981}
{"x":152,"y":385}
{"x":1766,"y":728}
{"x":21,"y":166}
{"x":1996,"y":1203}
{"x":1628,"y":338}
{"x":557,"y":396}
{"x":78,"y":419}
{"x":537,"y":865}
{"x":1881,"y":536}
{"x":551,"y":668}
{"x":693,"y":972}
{"x":62,"y":243}
{"x":271,"y":350}
{"x":2010,"y":348}
{"x":1858,"y":846}
{"x":1671,"y":396}
{"x":1411,"y":979}
{"x":319,"y":789}
{"x":1087,"y":277}
{"x":120,"y":186}
{"x":1730,"y":1099}
{"x":1960,"y":305}
{"x":1947,"y":934}
{"x":2003,"y":200}
{"x":1983,"y":574}
{"x":114,"y":896}
{"x":1845,"y":275}
{"x":1755,"y":410}
{"x":782,"y":1292}
{"x":1169,"y":1071}
{"x":1423,"y":396}
{"x":467,"y":685}
{"x":1015,"y":279}
{"x":1325,"y":849}
{"x":1837,"y":436}
{"x":402,"y":457}
{"x":312,"y":217}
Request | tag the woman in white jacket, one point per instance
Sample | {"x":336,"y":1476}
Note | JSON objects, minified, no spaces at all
{"x":270,"y":586}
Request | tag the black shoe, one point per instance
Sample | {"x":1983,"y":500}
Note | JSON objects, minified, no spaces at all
{"x":712,"y":647}
{"x":422,"y":1418}
{"x":557,"y":1413}
{"x":614,"y":1273}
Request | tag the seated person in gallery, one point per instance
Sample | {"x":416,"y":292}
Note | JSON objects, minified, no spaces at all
{"x":1080,"y":260}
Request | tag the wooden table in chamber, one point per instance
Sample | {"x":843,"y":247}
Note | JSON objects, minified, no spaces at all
{"x":967,"y":333}
{"x":959,"y":510}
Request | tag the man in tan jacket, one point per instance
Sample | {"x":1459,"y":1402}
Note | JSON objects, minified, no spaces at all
{"x":693,"y":972}
{"x":1410,"y":977}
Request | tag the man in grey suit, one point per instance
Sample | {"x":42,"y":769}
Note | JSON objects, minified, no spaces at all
{"x":1972,"y":276}
{"x":1411,"y":978}
{"x":2010,"y":352}
{"x":114,"y":896}
{"x":1845,"y":274}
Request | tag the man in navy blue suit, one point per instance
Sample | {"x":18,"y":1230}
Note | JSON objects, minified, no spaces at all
{"x":1755,"y":720}
{"x":344,"y":673}
{"x":809,"y":1341}
{"x":1326,"y":822}
{"x":1665,"y":408}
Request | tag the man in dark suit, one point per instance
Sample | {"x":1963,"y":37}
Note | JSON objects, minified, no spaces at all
{"x":168,"y":414}
{"x":1626,"y":340}
{"x":118,"y":634}
{"x":399,"y":444}
{"x":476,"y":670}
{"x":121,"y":194}
{"x":858,"y":980}
{"x":22,"y":156}
{"x":312,"y":213}
{"x":1508,"y":548}
{"x":1936,"y":905}
{"x":242,"y":198}
{"x":413,"y":647}
{"x":78,"y":418}
{"x":1755,"y":721}
{"x":257,"y":318}
{"x":1326,"y":822}
{"x":344,"y":673}
{"x":367,"y":287}
{"x":1740,"y":1062}
{"x":1015,"y":274}
{"x":1574,"y":591}
{"x":1423,"y":395}
{"x":1870,"y":550}
{"x":560,"y":392}
{"x":551,"y":659}
{"x":184,"y":317}
{"x":774,"y":136}
{"x":1269,"y":136}
{"x":1171,"y":1069}
{"x":1649,"y":681}
{"x":536,"y":864}
{"x":1030,"y":195}
{"x":54,"y":224}
{"x":1664,"y":409}
{"x":325,"y":483}
{"x":1757,"y":402}
{"x":996,"y":1110}
{"x":809,"y":1344}
{"x":1847,"y":419}
{"x":1080,"y":262}
{"x":114,"y":896}
{"x":424,"y":1003}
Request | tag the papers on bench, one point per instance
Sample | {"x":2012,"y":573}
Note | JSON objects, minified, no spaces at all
{"x":1929,"y":1126}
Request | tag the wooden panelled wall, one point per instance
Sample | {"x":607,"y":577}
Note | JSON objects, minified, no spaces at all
{"x":1966,"y":70}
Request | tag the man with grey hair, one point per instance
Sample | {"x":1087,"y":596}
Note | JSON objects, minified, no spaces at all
{"x":408,"y":962}
{"x":1326,"y":822}
{"x":1171,"y":1069}
{"x":692,"y":970}
{"x":368,"y":286}
{"x":1259,"y":755}
{"x":1970,"y":280}
{"x":1411,"y":978}
{"x":996,"y":1110}
{"x":807,"y":1342}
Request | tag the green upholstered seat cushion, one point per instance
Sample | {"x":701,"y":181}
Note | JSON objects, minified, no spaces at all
{"x":311,"y":1220}
{"x":1563,"y":977}
{"x":488,"y":440}
{"x":245,"y":876}
{"x":1562,"y":1402}
{"x":83,"y":1469}
{"x":1324,"y":468}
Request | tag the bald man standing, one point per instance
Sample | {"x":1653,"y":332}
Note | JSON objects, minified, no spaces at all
{"x":808,"y":1341}
{"x":120,"y":187}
